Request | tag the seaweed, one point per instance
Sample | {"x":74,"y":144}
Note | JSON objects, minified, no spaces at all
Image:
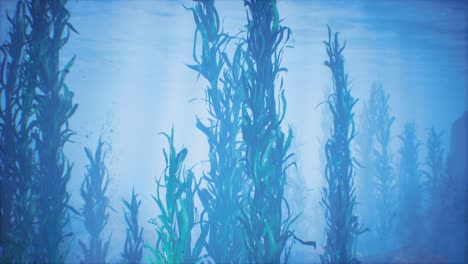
{"x":382,"y":167}
{"x":224,"y":181}
{"x":17,"y":165}
{"x":339,"y":200}
{"x":95,"y":211}
{"x":409,"y":186}
{"x":266,"y":227}
{"x":177,"y":218}
{"x":133,"y":248}
{"x":435,"y":184}
{"x":366,"y":143}
{"x":54,"y":107}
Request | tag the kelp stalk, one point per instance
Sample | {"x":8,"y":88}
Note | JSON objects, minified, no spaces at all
{"x":339,"y":199}
{"x":225,"y":180}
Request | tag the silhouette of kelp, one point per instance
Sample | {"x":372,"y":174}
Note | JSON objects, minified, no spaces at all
{"x":34,"y":91}
{"x":382,"y":166}
{"x":133,"y":248}
{"x":17,"y":166}
{"x":225,"y":180}
{"x":266,"y":226}
{"x":177,"y":217}
{"x":49,"y":21}
{"x":95,"y":211}
{"x":339,"y":199}
{"x":436,"y":185}
{"x":409,"y":225}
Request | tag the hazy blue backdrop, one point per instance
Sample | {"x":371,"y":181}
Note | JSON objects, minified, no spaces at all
{"x":131,"y":82}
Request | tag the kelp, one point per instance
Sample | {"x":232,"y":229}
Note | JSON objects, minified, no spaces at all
{"x":177,"y":218}
{"x":133,"y":247}
{"x":17,"y":164}
{"x":435,"y":184}
{"x":382,"y":167}
{"x":409,"y":225}
{"x":224,"y":181}
{"x":49,"y":22}
{"x":365,"y":180}
{"x":95,"y":211}
{"x":266,"y":227}
{"x":339,"y":200}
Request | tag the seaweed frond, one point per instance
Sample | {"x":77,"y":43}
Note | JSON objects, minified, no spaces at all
{"x":177,"y":218}
{"x":339,"y":199}
{"x":133,"y":248}
{"x":95,"y":211}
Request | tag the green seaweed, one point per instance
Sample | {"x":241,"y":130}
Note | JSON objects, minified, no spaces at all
{"x":435,"y":184}
{"x":17,"y":165}
{"x":54,"y":107}
{"x":266,"y":227}
{"x":409,"y":185}
{"x":133,"y":247}
{"x":224,"y":181}
{"x":95,"y":211}
{"x":382,"y":167}
{"x":177,"y":218}
{"x":339,"y":199}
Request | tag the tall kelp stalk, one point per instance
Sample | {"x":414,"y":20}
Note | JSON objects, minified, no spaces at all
{"x":266,"y":228}
{"x":178,"y":214}
{"x":382,"y":167}
{"x":133,"y":247}
{"x":224,"y":182}
{"x":49,"y":21}
{"x":366,"y":143}
{"x":17,"y":165}
{"x":409,"y":185}
{"x":96,"y":207}
{"x":339,"y":199}
{"x":435,"y":183}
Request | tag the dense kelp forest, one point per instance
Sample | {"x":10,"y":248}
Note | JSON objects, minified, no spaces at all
{"x":245,"y":131}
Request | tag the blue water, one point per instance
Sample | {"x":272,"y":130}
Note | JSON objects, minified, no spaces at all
{"x":131,"y":82}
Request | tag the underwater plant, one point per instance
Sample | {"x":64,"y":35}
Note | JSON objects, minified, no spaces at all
{"x":177,"y":217}
{"x":435,"y":184}
{"x":96,"y":207}
{"x":382,"y":166}
{"x":225,"y":181}
{"x":366,"y":143}
{"x":17,"y":165}
{"x":266,"y":227}
{"x":133,"y":248}
{"x":49,"y":22}
{"x":409,"y":185}
{"x":339,"y":200}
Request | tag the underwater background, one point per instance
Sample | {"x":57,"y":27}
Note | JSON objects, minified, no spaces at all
{"x":131,"y":82}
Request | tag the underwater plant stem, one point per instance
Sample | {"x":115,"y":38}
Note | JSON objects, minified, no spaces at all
{"x":225,"y":180}
{"x":16,"y":151}
{"x":133,"y":247}
{"x":96,"y":206}
{"x":266,"y":147}
{"x":339,"y":200}
{"x":54,"y":108}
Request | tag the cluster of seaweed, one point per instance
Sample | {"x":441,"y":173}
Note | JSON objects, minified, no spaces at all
{"x":409,"y":183}
{"x":414,"y":201}
{"x":377,"y":176}
{"x":382,"y":166}
{"x":177,"y":218}
{"x":339,"y":200}
{"x":245,"y":215}
{"x":133,"y":247}
{"x":224,"y":96}
{"x":34,"y":128}
{"x":95,"y":210}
